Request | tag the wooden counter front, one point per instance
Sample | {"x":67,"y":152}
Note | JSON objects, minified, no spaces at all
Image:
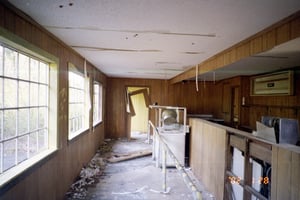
{"x":211,"y":160}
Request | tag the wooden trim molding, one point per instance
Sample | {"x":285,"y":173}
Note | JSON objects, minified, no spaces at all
{"x":278,"y":33}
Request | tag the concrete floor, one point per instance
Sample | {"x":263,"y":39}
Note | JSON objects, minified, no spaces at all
{"x":138,"y":178}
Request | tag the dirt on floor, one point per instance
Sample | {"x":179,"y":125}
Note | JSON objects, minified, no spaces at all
{"x":134,"y":178}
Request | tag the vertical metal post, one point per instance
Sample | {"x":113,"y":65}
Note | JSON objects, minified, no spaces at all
{"x":164,"y":168}
{"x":157,"y":150}
{"x":153,"y":144}
{"x":149,"y":131}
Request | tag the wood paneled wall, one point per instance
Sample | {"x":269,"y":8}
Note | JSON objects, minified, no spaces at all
{"x":204,"y":101}
{"x":117,"y":125}
{"x":278,"y":106}
{"x":51,"y":178}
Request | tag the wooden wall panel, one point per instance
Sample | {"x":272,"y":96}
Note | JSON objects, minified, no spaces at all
{"x":283,"y":33}
{"x":295,"y":28}
{"x":208,"y":152}
{"x":285,"y":173}
{"x":116,"y":113}
{"x":278,"y":106}
{"x":51,"y":178}
{"x":205,"y":101}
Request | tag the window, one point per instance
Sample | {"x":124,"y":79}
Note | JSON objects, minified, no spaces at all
{"x":97,"y":103}
{"x":25,"y":136}
{"x":78,"y":102}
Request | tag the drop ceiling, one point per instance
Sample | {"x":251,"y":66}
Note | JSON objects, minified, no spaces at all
{"x":156,"y":38}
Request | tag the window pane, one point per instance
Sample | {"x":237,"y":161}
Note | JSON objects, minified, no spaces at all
{"x":9,"y":123}
{"x":43,"y":117}
{"x":23,"y":94}
{"x":22,"y":148}
{"x":34,"y":94}
{"x":1,"y":60}
{"x":10,"y":63}
{"x":1,"y":93}
{"x":34,"y":70}
{"x":43,"y":73}
{"x":10,"y":93}
{"x":32,"y":144}
{"x":33,"y":119}
{"x":9,"y":154}
{"x":23,"y":67}
{"x":23,"y":121}
{"x":76,"y":80}
{"x":43,"y":97}
{"x":1,"y":127}
{"x":43,"y":139}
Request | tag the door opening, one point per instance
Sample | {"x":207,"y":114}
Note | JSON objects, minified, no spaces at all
{"x":139,"y":97}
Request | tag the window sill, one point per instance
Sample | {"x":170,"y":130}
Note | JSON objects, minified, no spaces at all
{"x":12,"y":176}
{"x":97,"y":123}
{"x":77,"y":133}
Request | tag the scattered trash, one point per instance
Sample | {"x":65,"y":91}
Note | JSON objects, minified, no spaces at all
{"x":89,"y":174}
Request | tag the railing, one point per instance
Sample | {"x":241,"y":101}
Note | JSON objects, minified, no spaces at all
{"x":158,"y":143}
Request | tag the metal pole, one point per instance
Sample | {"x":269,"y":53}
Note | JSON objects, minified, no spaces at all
{"x":149,"y":131}
{"x":164,"y":169}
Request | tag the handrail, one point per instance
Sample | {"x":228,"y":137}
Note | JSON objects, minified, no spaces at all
{"x":196,"y":193}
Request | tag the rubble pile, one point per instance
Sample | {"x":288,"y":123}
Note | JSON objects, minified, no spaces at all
{"x":90,"y":173}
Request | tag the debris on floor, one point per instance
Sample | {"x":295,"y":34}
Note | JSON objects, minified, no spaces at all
{"x":90,"y":174}
{"x":136,"y":178}
{"x":128,"y":156}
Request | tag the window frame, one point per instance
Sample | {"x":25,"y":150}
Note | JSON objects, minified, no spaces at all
{"x":100,"y":103}
{"x":11,"y":41}
{"x":86,"y":104}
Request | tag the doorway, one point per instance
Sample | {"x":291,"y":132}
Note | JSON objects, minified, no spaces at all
{"x":139,"y":98}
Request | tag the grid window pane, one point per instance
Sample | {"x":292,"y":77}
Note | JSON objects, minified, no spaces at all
{"x":43,"y":139}
{"x":24,"y":108}
{"x":1,"y":93}
{"x":9,"y":122}
{"x":10,"y":63}
{"x":33,"y":125}
{"x":34,"y":70}
{"x":1,"y":127}
{"x":9,"y":154}
{"x":97,"y":103}
{"x":1,"y":60}
{"x":23,"y":122}
{"x":76,"y":102}
{"x":10,"y":93}
{"x":23,"y":94}
{"x":43,"y":95}
{"x":43,"y":73}
{"x":34,"y":94}
{"x":23,"y":67}
{"x":43,"y":117}
{"x":22,"y":148}
{"x":33,"y":144}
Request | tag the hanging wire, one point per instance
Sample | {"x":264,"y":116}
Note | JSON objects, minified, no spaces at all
{"x":197,"y":88}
